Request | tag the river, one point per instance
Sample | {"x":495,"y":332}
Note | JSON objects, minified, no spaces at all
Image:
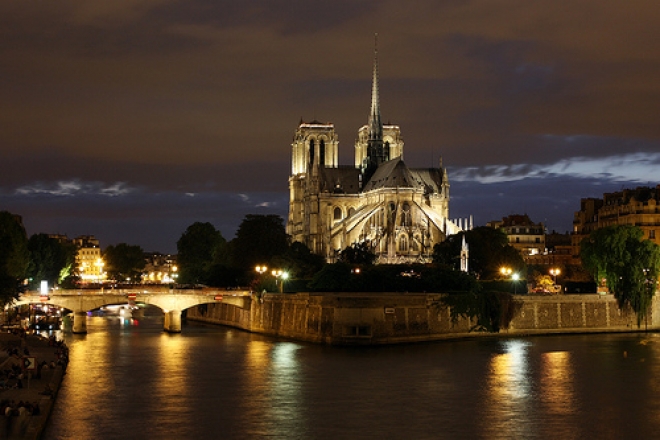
{"x":129,"y":379}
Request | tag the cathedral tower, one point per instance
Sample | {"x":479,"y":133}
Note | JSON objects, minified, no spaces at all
{"x":399,"y":212}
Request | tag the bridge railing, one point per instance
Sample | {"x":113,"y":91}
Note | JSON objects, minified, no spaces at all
{"x":142,"y":291}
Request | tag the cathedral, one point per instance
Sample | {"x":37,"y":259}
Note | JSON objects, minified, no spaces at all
{"x":400,"y":212}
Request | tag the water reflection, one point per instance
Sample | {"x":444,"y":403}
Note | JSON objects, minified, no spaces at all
{"x":274,"y":397}
{"x":287,"y":408}
{"x":556,"y":383}
{"x":173,"y":379}
{"x":138,"y":382}
{"x":87,"y":369}
{"x":508,"y":392}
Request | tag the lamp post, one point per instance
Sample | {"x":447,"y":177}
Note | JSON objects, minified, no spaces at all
{"x":515,"y":277}
{"x":282,"y":275}
{"x":554,"y":272}
{"x":261,"y":269}
{"x":506,"y":271}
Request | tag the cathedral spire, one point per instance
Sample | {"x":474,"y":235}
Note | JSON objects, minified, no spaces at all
{"x":376,"y":153}
{"x":375,"y":124}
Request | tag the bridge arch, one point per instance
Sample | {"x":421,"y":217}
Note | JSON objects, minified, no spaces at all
{"x":171,"y":301}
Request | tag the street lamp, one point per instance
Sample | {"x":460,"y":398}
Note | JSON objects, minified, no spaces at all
{"x":261,"y":269}
{"x":515,"y":277}
{"x":554,"y":272}
{"x":506,"y":271}
{"x":280,"y":274}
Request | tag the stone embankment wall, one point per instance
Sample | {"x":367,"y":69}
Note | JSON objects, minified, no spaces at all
{"x":386,"y":318}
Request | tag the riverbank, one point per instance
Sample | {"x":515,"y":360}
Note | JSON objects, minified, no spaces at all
{"x":393,"y":318}
{"x":31,"y":371}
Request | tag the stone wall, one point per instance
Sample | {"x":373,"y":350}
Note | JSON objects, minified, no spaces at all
{"x":385,"y":318}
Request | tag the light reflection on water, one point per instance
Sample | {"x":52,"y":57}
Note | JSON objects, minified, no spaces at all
{"x":135,"y":381}
{"x":508,"y":390}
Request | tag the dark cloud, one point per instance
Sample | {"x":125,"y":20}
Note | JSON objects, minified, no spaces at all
{"x":155,"y":221}
{"x":167,"y":97}
{"x":48,"y":169}
{"x":551,"y":199}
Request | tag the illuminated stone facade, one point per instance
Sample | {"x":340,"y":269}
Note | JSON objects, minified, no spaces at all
{"x":527,"y":237}
{"x":400,"y":212}
{"x":638,"y":207}
{"x":88,"y":259}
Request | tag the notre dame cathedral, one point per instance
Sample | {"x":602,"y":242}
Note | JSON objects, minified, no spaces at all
{"x":399,"y":211}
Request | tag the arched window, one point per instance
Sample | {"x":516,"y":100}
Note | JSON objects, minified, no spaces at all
{"x":392,"y":208}
{"x":311,"y":151}
{"x":415,"y":243}
{"x":337,"y":213}
{"x":351,"y":211}
{"x":403,"y":243}
{"x":405,"y":215}
{"x":322,"y":152}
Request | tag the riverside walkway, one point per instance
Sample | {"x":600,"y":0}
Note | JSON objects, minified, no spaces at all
{"x":171,"y":301}
{"x":32,"y":395}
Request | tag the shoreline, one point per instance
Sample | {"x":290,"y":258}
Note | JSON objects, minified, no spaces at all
{"x":32,"y":368}
{"x":371,"y":319}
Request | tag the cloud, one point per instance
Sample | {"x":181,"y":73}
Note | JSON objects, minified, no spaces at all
{"x":121,"y":111}
{"x":75,"y":188}
{"x":635,"y":167}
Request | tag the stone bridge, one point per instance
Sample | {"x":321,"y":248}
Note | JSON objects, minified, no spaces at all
{"x":171,"y":301}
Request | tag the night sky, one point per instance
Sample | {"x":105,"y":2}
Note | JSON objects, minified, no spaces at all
{"x":131,"y":119}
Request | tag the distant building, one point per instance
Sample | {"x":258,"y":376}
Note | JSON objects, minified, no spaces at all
{"x":523,"y":234}
{"x":88,"y":259}
{"x":160,"y":268}
{"x":638,"y":207}
{"x":558,"y":252}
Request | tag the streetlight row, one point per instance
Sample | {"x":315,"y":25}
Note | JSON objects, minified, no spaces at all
{"x":277,"y":273}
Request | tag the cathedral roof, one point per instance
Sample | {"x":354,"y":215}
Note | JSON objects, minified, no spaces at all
{"x":395,"y":174}
{"x":339,"y":180}
{"x":430,"y":178}
{"x":391,"y":174}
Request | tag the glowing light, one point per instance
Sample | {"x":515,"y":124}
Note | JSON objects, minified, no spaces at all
{"x":261,"y":269}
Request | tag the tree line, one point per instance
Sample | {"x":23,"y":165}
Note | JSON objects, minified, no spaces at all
{"x":616,"y":256}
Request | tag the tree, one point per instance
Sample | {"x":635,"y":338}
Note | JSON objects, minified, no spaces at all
{"x":199,"y":249}
{"x":258,"y":240}
{"x":489,"y":251}
{"x":124,"y":262}
{"x":50,"y":260}
{"x":628,"y":264}
{"x":335,"y":277}
{"x":358,"y":253}
{"x":14,"y":256}
{"x":299,"y":261}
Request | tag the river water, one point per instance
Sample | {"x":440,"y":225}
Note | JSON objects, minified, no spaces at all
{"x":129,"y":379}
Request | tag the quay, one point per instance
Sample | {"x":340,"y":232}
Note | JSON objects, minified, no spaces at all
{"x":391,"y":318}
{"x":38,"y":387}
